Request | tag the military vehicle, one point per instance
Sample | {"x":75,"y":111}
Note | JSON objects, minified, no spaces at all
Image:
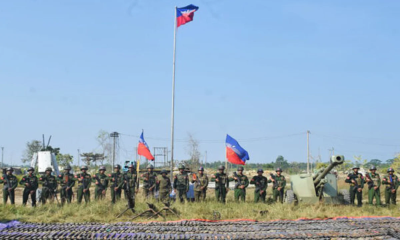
{"x":319,"y":187}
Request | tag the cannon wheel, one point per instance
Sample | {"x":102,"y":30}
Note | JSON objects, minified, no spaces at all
{"x":290,"y":197}
{"x":346,"y":196}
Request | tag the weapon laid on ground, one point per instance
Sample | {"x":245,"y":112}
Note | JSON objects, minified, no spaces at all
{"x":168,"y":209}
{"x":276,"y":185}
{"x":99,"y":184}
{"x":131,"y":201}
{"x":370,"y":182}
{"x":152,"y":210}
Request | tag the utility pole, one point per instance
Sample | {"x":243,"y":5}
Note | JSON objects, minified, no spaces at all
{"x":79,"y":157}
{"x":308,"y":152}
{"x":114,"y":135}
{"x":2,"y":157}
{"x":332,"y":152}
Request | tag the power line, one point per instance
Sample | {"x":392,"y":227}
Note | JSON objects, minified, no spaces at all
{"x":348,"y":139}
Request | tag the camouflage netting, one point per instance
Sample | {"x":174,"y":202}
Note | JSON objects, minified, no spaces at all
{"x":342,"y":228}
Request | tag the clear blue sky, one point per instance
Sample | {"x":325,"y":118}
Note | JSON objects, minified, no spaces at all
{"x":255,"y":70}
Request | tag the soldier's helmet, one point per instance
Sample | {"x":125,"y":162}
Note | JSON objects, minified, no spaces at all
{"x":10,"y":169}
{"x":164,"y":171}
{"x":68,"y":167}
{"x":356,"y":167}
{"x":49,"y":169}
{"x":31,"y":169}
{"x":260,"y":170}
{"x":240,"y":168}
{"x":102,"y":168}
{"x":181,"y":166}
{"x":278,"y":169}
{"x":117,"y":166}
{"x":84,"y":167}
{"x":201,"y":169}
{"x":390,"y":170}
{"x":372,"y":167}
{"x":131,"y":166}
{"x":221,"y":167}
{"x":150,"y":166}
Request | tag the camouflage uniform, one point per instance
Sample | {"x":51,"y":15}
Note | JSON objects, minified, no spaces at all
{"x":101,"y":181}
{"x":49,"y":186}
{"x":130,"y":179}
{"x":392,"y":183}
{"x":164,"y":186}
{"x":31,"y":183}
{"x":200,"y":186}
{"x":240,"y":188}
{"x":149,"y":184}
{"x":375,"y":182}
{"x":221,"y":185}
{"x":66,"y":180}
{"x":10,"y":184}
{"x":359,"y":179}
{"x":181,"y":184}
{"x":84,"y":182}
{"x":280,"y":182}
{"x":116,"y":179}
{"x":261,"y":185}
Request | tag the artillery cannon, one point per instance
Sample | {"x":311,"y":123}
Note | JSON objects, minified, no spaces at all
{"x":321,"y":186}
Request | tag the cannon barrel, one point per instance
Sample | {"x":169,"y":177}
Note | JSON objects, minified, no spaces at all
{"x":335,"y":160}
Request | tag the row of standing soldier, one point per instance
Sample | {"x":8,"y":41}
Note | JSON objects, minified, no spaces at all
{"x":117,"y":181}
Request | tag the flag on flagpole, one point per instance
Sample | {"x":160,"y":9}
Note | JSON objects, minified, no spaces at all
{"x":143,"y":149}
{"x":234,"y":152}
{"x":185,"y":14}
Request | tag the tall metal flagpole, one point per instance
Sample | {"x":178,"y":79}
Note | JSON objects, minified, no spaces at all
{"x":173,"y":98}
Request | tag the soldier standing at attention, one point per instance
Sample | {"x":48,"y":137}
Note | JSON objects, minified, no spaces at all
{"x":84,"y":182}
{"x":10,"y":184}
{"x":49,"y":185}
{"x":374,"y":182}
{"x":130,"y":178}
{"x":67,"y":182}
{"x":101,"y":181}
{"x":356,"y":181}
{"x":221,"y":184}
{"x":279,"y":185}
{"x":149,"y":182}
{"x":261,"y":184}
{"x":200,"y":185}
{"x":181,"y":183}
{"x":242,"y":182}
{"x":31,"y":183}
{"x":117,"y":182}
{"x":164,"y":186}
{"x":392,"y":183}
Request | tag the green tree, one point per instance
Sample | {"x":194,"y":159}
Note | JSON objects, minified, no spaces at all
{"x":32,"y":147}
{"x":281,"y":162}
{"x":64,"y":159}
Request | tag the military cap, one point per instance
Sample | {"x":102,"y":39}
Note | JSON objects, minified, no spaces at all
{"x":10,"y":169}
{"x":372,"y":167}
{"x":164,"y":171}
{"x":201,"y":169}
{"x":102,"y":168}
{"x":31,"y":169}
{"x":181,"y":166}
{"x":49,"y":169}
{"x":390,"y":170}
{"x":150,"y":166}
{"x":117,"y":166}
{"x":278,"y":169}
{"x":260,"y":170}
{"x":356,"y":167}
{"x":240,"y":168}
{"x":221,"y":167}
{"x":84,"y":167}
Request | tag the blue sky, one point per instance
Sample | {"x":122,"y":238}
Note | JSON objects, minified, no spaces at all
{"x":264,"y":72}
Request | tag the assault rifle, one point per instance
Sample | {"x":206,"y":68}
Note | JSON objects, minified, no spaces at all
{"x":356,"y":185}
{"x":370,"y":182}
{"x":259,"y":186}
{"x":8,"y":188}
{"x":392,"y":186}
{"x":239,"y":181}
{"x":152,"y":183}
{"x":99,"y":184}
{"x":131,"y":201}
{"x":276,"y":185}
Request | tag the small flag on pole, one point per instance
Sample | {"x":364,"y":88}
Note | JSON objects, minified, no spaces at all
{"x":185,"y":14}
{"x":234,"y":152}
{"x":143,"y":149}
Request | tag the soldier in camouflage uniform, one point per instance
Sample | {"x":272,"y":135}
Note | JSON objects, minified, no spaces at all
{"x":101,"y":181}
{"x":374,"y":182}
{"x":200,"y":185}
{"x":149,"y":182}
{"x":116,"y":180}
{"x":392,"y":183}
{"x":31,"y":183}
{"x":221,"y":184}
{"x":130,"y":178}
{"x":84,"y":181}
{"x":10,"y":184}
{"x":49,"y":185}
{"x":261,"y":184}
{"x":164,"y":187}
{"x":241,"y":183}
{"x":279,"y":185}
{"x":67,"y":182}
{"x":356,"y":181}
{"x":181,"y":183}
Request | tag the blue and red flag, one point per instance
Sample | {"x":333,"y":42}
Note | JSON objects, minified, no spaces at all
{"x":143,"y":149}
{"x":185,"y":14}
{"x":234,"y":152}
